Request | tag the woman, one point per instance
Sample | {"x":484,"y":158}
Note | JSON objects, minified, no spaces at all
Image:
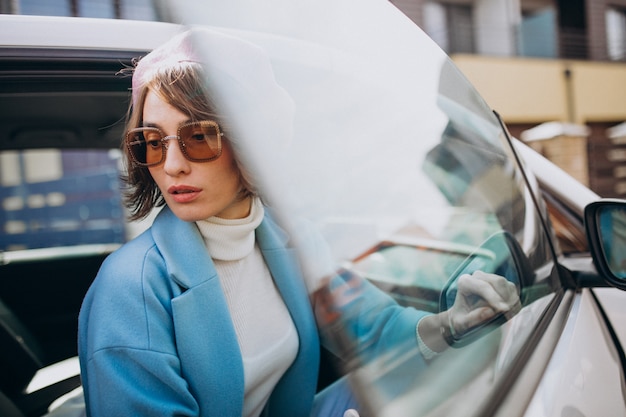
{"x":206,"y":313}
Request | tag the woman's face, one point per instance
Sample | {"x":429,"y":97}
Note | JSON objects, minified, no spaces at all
{"x":193,"y":190}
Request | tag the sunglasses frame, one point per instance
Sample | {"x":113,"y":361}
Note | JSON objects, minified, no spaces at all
{"x":165,"y":138}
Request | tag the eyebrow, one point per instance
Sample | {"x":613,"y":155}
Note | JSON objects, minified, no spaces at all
{"x":156,"y":125}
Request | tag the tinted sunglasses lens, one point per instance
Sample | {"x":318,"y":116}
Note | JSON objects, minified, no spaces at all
{"x":202,"y":141}
{"x":145,"y":145}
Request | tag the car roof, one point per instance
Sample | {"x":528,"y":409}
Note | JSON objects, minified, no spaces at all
{"x":60,"y":80}
{"x":83,"y":33}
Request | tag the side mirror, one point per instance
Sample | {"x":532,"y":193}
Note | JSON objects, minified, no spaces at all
{"x":502,"y":255}
{"x":605,"y":222}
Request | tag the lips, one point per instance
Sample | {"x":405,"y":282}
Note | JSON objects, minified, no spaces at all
{"x":183,"y":193}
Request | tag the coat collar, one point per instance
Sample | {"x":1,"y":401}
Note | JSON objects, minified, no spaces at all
{"x":183,"y":250}
{"x":178,"y":240}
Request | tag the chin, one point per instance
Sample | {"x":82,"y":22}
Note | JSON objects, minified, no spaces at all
{"x":189,"y":215}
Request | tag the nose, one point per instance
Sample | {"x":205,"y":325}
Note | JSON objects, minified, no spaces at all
{"x":175,"y":161}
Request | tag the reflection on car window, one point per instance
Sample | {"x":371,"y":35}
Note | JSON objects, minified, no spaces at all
{"x":52,"y":197}
{"x":413,"y":272}
{"x":404,"y":170}
{"x":381,"y":144}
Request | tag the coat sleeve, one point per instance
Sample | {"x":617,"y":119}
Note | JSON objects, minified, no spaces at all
{"x":127,"y":349}
{"x":357,"y":318}
{"x":365,"y":327}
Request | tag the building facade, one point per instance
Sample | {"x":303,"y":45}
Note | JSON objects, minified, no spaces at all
{"x":112,"y":9}
{"x":555,"y":70}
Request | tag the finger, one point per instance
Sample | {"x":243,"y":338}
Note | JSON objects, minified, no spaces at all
{"x":462,"y":323}
{"x":503,"y":286}
{"x":515,"y":308}
{"x":473,"y":285}
{"x":508,"y":291}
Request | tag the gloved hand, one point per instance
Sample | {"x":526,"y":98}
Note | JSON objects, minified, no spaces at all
{"x":480,"y":297}
{"x":351,"y":413}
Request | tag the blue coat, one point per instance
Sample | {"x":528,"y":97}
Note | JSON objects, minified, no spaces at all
{"x":156,"y":338}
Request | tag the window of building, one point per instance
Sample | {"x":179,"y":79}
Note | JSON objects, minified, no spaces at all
{"x":112,"y":9}
{"x":460,"y":28}
{"x":451,"y":26}
{"x":616,"y":33}
{"x":572,"y":16}
{"x":537,"y":35}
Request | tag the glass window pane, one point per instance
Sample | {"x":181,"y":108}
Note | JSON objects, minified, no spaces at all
{"x":96,"y":8}
{"x":382,"y":147}
{"x":45,"y":7}
{"x":64,"y":198}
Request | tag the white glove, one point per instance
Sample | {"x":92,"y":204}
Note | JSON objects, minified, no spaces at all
{"x":480,"y":297}
{"x":351,"y":413}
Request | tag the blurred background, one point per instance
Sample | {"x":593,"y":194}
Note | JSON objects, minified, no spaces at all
{"x":555,"y":70}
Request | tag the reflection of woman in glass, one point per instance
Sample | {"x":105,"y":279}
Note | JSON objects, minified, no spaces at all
{"x":206,"y":313}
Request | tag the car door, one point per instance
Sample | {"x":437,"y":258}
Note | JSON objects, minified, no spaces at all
{"x":382,"y":147}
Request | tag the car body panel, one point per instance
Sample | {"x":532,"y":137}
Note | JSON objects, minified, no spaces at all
{"x":83,"y":33}
{"x":613,"y":303}
{"x":585,"y":376}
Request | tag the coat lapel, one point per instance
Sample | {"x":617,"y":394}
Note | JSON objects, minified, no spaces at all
{"x":293,"y":395}
{"x":206,"y":339}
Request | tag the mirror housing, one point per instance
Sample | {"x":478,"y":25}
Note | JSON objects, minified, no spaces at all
{"x":605,"y":224}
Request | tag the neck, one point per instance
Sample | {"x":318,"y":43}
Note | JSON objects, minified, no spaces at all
{"x":239,"y":209}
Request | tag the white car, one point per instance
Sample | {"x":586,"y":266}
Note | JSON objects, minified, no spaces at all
{"x":369,"y":132}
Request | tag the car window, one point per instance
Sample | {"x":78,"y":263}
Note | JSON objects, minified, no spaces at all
{"x":53,"y":197}
{"x":377,"y":143}
{"x":568,"y":226}
{"x":62,"y":112}
{"x":63,"y":101}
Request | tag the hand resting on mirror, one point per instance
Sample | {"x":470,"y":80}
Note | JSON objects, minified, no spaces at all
{"x":480,"y":298}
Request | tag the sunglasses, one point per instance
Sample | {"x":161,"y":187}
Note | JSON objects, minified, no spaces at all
{"x":198,"y":141}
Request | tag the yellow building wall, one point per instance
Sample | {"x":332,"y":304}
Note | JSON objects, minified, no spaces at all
{"x":600,"y":91}
{"x":527,"y":90}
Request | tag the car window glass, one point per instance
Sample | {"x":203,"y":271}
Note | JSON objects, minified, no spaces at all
{"x":377,"y":143}
{"x":53,"y":197}
{"x":357,"y":128}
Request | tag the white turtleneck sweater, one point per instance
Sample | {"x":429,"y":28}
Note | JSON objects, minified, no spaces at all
{"x":266,"y":334}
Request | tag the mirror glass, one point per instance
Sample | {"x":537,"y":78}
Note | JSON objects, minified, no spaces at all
{"x":612,"y":230}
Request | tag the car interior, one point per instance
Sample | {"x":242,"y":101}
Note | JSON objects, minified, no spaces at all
{"x":61,"y":99}
{"x":57,"y":99}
